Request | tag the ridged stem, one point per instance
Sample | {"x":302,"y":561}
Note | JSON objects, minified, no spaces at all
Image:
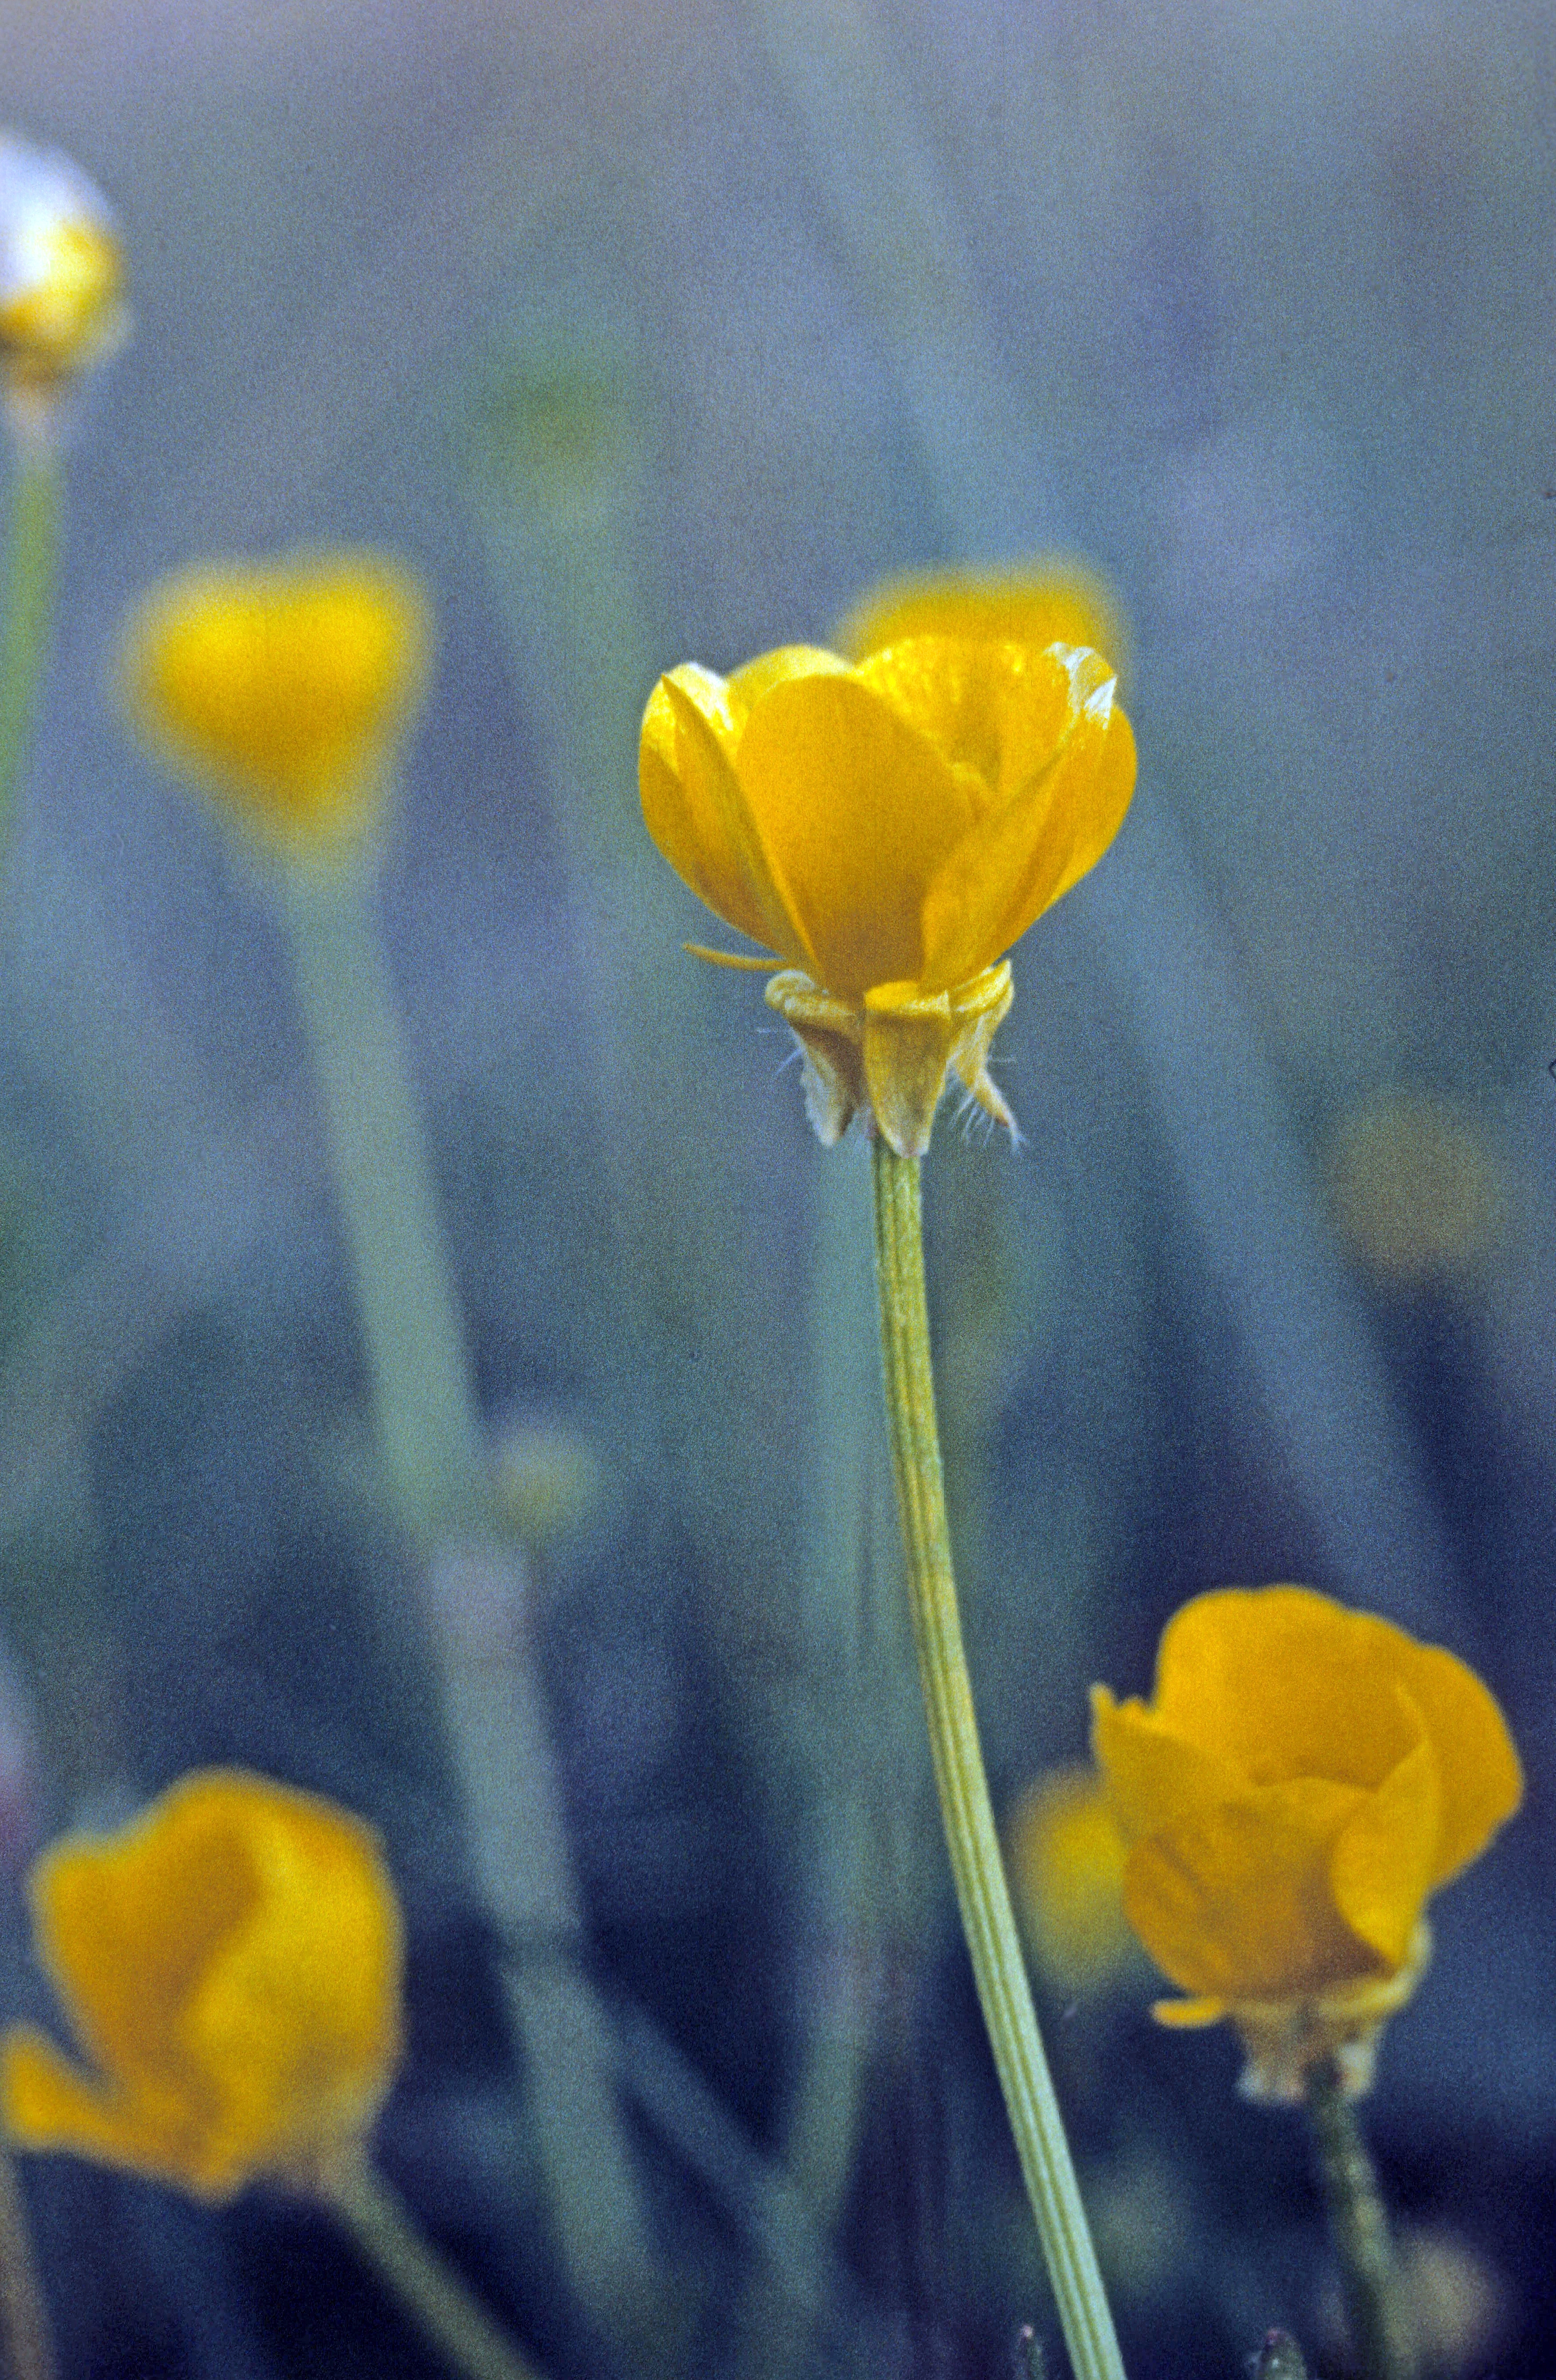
{"x":971,"y":1839}
{"x":1375,"y":2301}
{"x":434,"y":2295}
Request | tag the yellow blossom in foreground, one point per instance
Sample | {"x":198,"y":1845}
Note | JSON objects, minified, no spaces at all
{"x":283,"y":689}
{"x":230,"y":1964}
{"x":1302,"y":1781}
{"x":1065,"y":1857}
{"x":1051,"y":600}
{"x":888,"y":830}
{"x":61,"y":274}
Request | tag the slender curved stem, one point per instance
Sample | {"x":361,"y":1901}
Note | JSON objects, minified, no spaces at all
{"x":434,"y":2295}
{"x":30,"y":561}
{"x":26,"y":2340}
{"x":970,"y":1835}
{"x":1375,"y":2301}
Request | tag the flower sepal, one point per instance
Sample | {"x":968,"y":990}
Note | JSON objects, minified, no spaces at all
{"x":887,"y":1059}
{"x":1285,"y":2043}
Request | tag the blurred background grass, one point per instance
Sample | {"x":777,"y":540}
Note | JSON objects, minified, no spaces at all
{"x":650,"y":333}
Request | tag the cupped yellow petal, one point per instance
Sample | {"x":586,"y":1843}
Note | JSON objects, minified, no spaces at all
{"x":694,"y":810}
{"x":1480,"y":1777}
{"x":283,"y":690}
{"x":1050,"y":600}
{"x":299,"y":2017}
{"x":1151,"y":1774}
{"x":1339,"y":1712}
{"x":1235,"y":1901}
{"x":48,"y":2103}
{"x":125,"y":1925}
{"x":1381,"y":1869}
{"x":857,"y":809}
{"x":231,"y":1963}
{"x":755,"y":678}
{"x":1074,"y":783}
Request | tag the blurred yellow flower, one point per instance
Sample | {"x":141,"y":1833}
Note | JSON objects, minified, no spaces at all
{"x":1417,"y":1192}
{"x":1302,"y":1781}
{"x":1065,"y":1857}
{"x":889,"y":830}
{"x":61,"y":272}
{"x":1051,"y":600}
{"x":230,"y":1963}
{"x":283,"y":689}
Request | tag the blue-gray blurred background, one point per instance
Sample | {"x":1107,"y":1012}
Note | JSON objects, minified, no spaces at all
{"x":654,"y":333}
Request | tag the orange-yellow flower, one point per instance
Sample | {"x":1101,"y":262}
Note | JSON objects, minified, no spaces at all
{"x":1301,"y":1782}
{"x":283,"y":689}
{"x":61,"y":274}
{"x":888,"y":829}
{"x":230,"y":1964}
{"x":1052,"y":600}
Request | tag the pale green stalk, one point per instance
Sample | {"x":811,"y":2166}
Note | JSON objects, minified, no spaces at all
{"x":32,"y":561}
{"x":430,"y":1436}
{"x":430,"y":2292}
{"x":971,"y":1839}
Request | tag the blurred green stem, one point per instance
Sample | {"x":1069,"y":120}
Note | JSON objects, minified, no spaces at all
{"x":970,"y":1835}
{"x":32,"y":559}
{"x":1381,"y":2331}
{"x":26,"y":2340}
{"x":430,"y":2291}
{"x":433,"y":1445}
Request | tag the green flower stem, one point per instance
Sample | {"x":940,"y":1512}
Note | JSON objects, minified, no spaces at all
{"x":26,"y":2340}
{"x":430,"y":1436}
{"x":970,"y":1836}
{"x":30,"y":563}
{"x":434,"y":2296}
{"x":1375,"y":2300}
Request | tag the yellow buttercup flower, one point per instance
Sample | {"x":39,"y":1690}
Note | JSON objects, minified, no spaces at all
{"x":284,"y":689}
{"x":230,"y":1964}
{"x":1052,"y":600}
{"x":61,"y":272}
{"x":889,"y":830}
{"x":1065,"y":1857}
{"x":1301,"y":1782}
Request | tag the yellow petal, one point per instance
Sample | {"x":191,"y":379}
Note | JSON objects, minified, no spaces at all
{"x":1188,"y":2016}
{"x":1382,"y":1868}
{"x":231,"y":1961}
{"x":1283,"y":1682}
{"x":299,"y":2017}
{"x":1072,"y":788}
{"x":1151,"y":1774}
{"x":694,"y":808}
{"x":857,"y":809}
{"x":281,"y":689}
{"x":1480,"y":1779}
{"x":748,"y":685}
{"x":1235,"y":1901}
{"x":126,"y":1925}
{"x":1050,"y":601}
{"x":47,"y":2103}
